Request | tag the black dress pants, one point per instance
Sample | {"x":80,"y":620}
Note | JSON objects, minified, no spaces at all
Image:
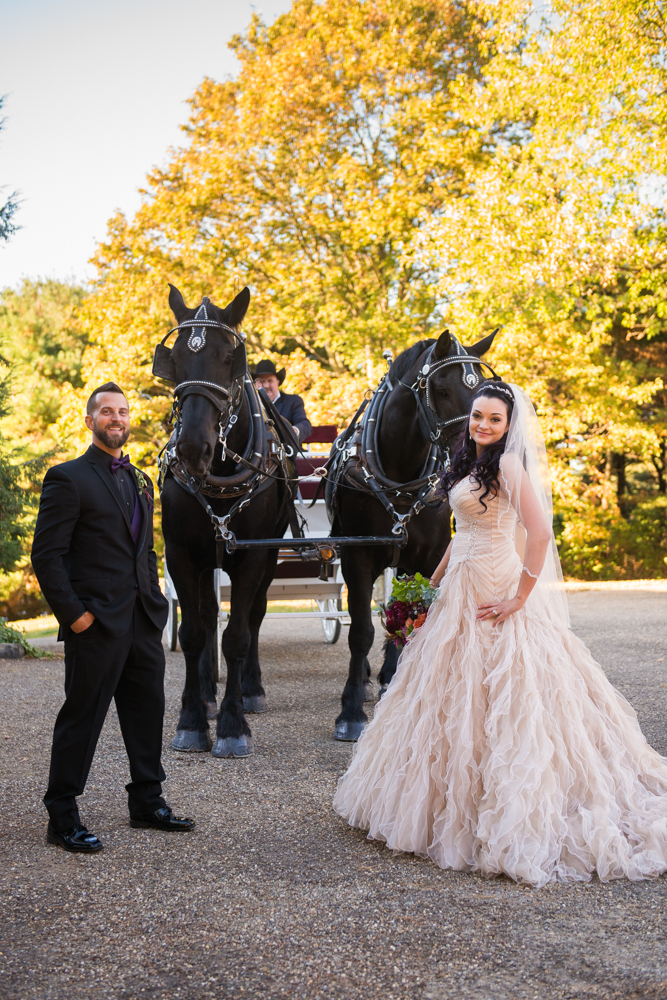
{"x":98,"y":667}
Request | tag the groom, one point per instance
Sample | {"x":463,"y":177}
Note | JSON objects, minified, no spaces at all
{"x":93,"y":556}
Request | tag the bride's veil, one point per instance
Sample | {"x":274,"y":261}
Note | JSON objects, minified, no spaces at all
{"x":526,"y":443}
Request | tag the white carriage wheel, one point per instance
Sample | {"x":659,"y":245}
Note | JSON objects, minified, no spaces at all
{"x":331,"y":627}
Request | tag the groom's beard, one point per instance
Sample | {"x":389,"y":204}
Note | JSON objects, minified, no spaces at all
{"x":112,"y":437}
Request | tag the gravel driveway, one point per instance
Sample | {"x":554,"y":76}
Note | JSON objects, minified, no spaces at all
{"x":272,"y":896}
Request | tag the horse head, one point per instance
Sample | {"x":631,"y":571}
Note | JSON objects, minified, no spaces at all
{"x":450,"y":385}
{"x":209,"y":361}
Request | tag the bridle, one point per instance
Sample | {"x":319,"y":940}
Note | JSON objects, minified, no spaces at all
{"x":360,"y":441}
{"x":264,"y":453}
{"x":227,"y":400}
{"x":420,"y":388}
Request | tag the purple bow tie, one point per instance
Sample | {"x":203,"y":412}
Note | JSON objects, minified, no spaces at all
{"x":120,"y":463}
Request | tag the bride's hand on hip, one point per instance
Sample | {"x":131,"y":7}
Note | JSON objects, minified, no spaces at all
{"x":498,"y":611}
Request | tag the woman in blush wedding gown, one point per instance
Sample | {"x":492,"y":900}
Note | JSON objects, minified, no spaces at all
{"x":500,"y":745}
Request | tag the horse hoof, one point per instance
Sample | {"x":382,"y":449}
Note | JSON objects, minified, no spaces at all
{"x":349,"y":732}
{"x":191,"y":741}
{"x":382,"y":690}
{"x":233,"y":746}
{"x":369,"y":694}
{"x":211,"y":709}
{"x":255,"y":704}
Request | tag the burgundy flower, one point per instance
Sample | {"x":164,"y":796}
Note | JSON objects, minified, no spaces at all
{"x":403,"y":617}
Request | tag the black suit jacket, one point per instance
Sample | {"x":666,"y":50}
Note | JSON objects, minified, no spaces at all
{"x":292,"y":409}
{"x":83,"y":552}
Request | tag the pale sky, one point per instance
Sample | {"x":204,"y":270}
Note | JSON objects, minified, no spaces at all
{"x":95,"y":94}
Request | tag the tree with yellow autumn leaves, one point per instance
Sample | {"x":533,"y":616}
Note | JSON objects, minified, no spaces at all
{"x":306,"y":178}
{"x":562,"y":240}
{"x":379,"y":169}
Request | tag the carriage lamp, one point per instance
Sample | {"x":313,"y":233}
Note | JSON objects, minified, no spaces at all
{"x":327,"y":553}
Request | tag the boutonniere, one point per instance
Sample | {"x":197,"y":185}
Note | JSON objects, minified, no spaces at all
{"x":142,"y":483}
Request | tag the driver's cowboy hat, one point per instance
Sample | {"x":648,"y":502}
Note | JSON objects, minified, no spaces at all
{"x":268,"y":368}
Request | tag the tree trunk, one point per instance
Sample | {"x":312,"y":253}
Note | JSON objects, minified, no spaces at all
{"x":660,"y":465}
{"x":621,"y":482}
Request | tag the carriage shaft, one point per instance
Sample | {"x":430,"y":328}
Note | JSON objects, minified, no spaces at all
{"x":308,"y":543}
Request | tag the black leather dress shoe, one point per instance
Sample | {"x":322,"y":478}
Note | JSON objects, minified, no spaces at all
{"x":77,"y":839}
{"x":162,"y":819}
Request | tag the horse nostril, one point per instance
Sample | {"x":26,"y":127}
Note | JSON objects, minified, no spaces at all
{"x":195,"y":456}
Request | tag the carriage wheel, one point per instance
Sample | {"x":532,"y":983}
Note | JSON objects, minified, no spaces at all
{"x":172,"y":624}
{"x":331,"y":628}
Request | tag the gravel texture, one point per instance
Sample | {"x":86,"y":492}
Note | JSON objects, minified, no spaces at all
{"x":272,"y":895}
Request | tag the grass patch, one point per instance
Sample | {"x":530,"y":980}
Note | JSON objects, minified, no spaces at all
{"x":10,"y":634}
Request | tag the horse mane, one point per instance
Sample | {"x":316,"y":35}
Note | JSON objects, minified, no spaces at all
{"x":407,"y":358}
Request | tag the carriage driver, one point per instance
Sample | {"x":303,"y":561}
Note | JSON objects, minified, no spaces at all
{"x":290,"y":407}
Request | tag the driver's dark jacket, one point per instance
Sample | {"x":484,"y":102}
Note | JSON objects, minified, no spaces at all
{"x":292,"y":409}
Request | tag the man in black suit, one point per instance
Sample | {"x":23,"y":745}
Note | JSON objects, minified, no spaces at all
{"x":290,"y":407}
{"x":93,"y":556}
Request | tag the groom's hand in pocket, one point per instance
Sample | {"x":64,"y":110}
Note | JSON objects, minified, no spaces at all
{"x":82,"y":623}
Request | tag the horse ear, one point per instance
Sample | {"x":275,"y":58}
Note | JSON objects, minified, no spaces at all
{"x":483,"y":345}
{"x":177,"y":304}
{"x":239,"y":307}
{"x":443,"y":345}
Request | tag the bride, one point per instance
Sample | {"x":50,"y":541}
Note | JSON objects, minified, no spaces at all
{"x":500,"y":745}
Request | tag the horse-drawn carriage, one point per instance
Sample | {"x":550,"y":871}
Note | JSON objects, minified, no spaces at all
{"x":227,"y":486}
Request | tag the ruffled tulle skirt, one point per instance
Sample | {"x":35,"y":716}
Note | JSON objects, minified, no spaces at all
{"x":507,"y":750}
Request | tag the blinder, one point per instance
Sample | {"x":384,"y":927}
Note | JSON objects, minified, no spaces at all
{"x":239,"y":361}
{"x":163,"y":363}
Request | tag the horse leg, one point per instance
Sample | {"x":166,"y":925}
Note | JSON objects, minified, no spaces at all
{"x":208,"y":608}
{"x":391,"y":654}
{"x":233,"y":736}
{"x":254,"y":697}
{"x":192,"y":729}
{"x":358,"y":573}
{"x":368,"y":682}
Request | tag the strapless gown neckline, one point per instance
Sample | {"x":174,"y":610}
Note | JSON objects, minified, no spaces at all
{"x":506,"y":750}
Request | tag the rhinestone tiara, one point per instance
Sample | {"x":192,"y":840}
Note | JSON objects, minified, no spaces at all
{"x":496,"y":388}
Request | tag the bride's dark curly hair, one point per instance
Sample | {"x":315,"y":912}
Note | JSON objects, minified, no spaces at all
{"x":465,"y":461}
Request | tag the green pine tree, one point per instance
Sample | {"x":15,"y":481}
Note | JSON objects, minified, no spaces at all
{"x":10,"y":207}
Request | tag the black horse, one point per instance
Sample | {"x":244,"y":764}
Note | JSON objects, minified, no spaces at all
{"x":220,"y":438}
{"x":385,"y":471}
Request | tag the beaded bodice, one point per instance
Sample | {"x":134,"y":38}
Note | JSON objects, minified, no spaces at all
{"x":480,"y":541}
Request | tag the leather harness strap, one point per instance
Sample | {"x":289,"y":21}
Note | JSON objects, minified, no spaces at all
{"x":421,"y":492}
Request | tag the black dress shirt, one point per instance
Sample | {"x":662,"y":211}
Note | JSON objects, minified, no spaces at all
{"x":123,"y":480}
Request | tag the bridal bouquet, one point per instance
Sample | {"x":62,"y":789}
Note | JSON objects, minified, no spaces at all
{"x":406,"y":609}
